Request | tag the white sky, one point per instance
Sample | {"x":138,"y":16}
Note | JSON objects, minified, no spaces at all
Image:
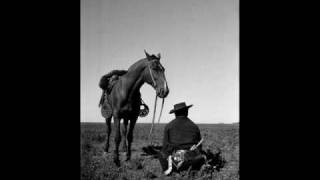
{"x":198,"y":41}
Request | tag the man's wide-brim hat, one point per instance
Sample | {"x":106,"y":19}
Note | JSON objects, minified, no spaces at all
{"x":179,"y":106}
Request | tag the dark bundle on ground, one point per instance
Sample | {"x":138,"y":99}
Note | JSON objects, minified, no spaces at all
{"x":215,"y":160}
{"x":151,"y":150}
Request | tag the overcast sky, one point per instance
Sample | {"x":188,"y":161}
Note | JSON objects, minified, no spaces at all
{"x":198,"y":41}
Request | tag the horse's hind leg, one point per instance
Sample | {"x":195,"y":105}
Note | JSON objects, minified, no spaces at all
{"x":117,"y":140}
{"x":124,"y":135}
{"x":108,"y":129}
{"x":130,"y":137}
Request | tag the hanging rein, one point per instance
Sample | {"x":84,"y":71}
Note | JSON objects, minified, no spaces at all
{"x":154,"y":108}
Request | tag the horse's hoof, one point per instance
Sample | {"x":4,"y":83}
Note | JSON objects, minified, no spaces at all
{"x":116,"y":162}
{"x":128,"y":158}
{"x":123,"y":150}
{"x":106,"y":149}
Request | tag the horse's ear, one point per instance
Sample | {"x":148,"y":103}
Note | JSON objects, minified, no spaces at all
{"x":147,"y":55}
{"x":159,"y":56}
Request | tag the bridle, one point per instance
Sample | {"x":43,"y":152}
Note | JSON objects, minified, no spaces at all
{"x":155,"y":107}
{"x":154,"y":84}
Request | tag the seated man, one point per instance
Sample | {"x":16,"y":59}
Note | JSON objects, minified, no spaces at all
{"x":181,"y":143}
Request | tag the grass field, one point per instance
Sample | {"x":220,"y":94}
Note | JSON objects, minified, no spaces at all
{"x":96,"y":166}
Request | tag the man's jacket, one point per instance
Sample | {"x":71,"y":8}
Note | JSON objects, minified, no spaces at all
{"x":180,"y":133}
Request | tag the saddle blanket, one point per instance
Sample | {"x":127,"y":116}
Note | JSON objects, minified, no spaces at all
{"x":106,"y":109}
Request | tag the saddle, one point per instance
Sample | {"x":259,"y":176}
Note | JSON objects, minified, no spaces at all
{"x":105,"y":80}
{"x":112,"y":82}
{"x":106,"y":84}
{"x":106,"y":108}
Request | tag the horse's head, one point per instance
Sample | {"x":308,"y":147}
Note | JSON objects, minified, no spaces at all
{"x":156,"y":78}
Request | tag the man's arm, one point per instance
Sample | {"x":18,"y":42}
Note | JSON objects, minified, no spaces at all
{"x":198,"y":137}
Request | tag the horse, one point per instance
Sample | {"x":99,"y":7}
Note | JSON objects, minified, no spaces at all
{"x":125,"y":99}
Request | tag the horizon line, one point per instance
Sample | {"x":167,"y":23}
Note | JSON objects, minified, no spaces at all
{"x":163,"y":123}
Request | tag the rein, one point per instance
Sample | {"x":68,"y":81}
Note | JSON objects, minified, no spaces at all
{"x":161,"y":111}
{"x":155,"y":107}
{"x":153,"y":118}
{"x":154,"y":115}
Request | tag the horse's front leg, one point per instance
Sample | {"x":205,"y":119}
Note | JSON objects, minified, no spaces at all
{"x":130,"y":137}
{"x":117,"y":140}
{"x":124,"y":135}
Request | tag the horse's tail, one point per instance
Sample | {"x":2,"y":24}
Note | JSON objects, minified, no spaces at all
{"x":102,"y":99}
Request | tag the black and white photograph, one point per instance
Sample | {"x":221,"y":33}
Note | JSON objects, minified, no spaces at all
{"x":159,"y":94}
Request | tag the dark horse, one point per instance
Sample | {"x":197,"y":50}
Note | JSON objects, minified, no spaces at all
{"x":125,"y":99}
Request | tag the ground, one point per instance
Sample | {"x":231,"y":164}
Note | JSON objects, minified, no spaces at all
{"x":97,"y":165}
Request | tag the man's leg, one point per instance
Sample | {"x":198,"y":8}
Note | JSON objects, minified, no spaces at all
{"x":163,"y":161}
{"x":194,"y":159}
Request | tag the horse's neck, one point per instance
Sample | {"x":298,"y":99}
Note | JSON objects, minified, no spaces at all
{"x":135,"y":91}
{"x":135,"y":79}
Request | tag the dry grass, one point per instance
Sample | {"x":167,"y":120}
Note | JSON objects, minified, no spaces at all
{"x":95,"y":165}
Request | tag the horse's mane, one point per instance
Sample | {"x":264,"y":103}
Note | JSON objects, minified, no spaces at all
{"x":137,"y":64}
{"x":141,"y":61}
{"x":154,"y":57}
